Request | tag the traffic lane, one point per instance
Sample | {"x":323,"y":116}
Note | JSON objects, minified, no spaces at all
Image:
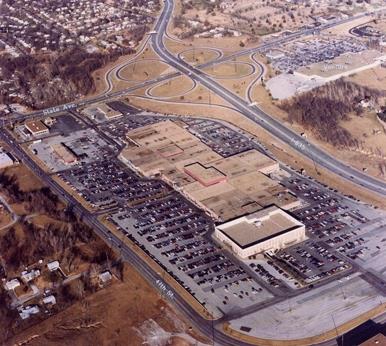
{"x":294,"y":140}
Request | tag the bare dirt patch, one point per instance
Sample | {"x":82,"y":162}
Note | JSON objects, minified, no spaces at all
{"x":24,"y":178}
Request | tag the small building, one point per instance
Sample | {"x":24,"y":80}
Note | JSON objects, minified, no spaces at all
{"x":64,"y":153}
{"x":52,"y":266}
{"x":12,"y":284}
{"x":102,"y":111}
{"x":28,"y":276}
{"x":268,"y":229}
{"x":93,"y":113}
{"x":275,"y":54}
{"x":49,"y":300}
{"x":36,"y":128}
{"x":49,"y":121}
{"x":108,"y":112}
{"x":28,"y":311}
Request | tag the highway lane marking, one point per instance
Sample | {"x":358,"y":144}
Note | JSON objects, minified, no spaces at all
{"x":159,"y":45}
{"x":164,"y":289}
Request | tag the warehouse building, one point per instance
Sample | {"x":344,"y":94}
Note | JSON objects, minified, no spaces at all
{"x":268,"y":229}
{"x":102,"y":111}
{"x":64,"y":153}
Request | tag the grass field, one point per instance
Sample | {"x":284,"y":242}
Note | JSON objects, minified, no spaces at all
{"x":143,"y":69}
{"x":229,"y":70}
{"x":173,"y":87}
{"x":198,"y":55}
{"x":25,"y":179}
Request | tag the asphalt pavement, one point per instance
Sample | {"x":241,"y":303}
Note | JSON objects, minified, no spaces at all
{"x":257,"y":115}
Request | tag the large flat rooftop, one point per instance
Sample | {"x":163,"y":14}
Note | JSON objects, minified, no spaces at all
{"x":205,"y":175}
{"x":227,"y":187}
{"x":260,"y":226}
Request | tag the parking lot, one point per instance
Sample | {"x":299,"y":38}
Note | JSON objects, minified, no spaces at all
{"x":170,"y":229}
{"x":118,"y":129}
{"x":303,"y":53}
{"x":221,"y":139}
{"x":105,"y":184}
{"x":78,"y":148}
{"x":65,"y":124}
{"x":336,"y":224}
{"x":173,"y":232}
{"x":310,"y":262}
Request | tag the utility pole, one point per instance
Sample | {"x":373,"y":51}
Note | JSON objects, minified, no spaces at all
{"x":341,"y":289}
{"x":336,"y":329}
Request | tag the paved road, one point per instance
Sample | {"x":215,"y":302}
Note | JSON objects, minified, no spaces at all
{"x":114,"y":72}
{"x":257,"y":79}
{"x":206,"y":327}
{"x":257,"y":115}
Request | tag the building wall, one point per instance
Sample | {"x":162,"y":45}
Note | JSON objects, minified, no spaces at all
{"x":279,"y":242}
{"x":38,"y":133}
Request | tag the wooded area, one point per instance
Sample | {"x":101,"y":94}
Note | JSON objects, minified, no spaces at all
{"x":322,"y":109}
{"x":46,"y":80}
{"x":67,"y":239}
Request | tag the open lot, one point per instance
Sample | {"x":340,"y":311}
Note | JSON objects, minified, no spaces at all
{"x":143,"y":69}
{"x":231,"y":70}
{"x":175,"y":87}
{"x":312,"y":313}
{"x":113,"y":315}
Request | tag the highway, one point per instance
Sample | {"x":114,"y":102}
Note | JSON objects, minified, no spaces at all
{"x":273,"y":126}
{"x":206,"y":327}
{"x":114,"y":72}
{"x":257,"y":115}
{"x":253,"y":113}
{"x":257,"y":79}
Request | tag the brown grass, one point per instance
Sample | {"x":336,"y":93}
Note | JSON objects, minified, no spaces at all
{"x":107,"y":317}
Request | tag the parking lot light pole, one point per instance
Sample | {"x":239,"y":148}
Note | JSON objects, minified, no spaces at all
{"x":341,"y":289}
